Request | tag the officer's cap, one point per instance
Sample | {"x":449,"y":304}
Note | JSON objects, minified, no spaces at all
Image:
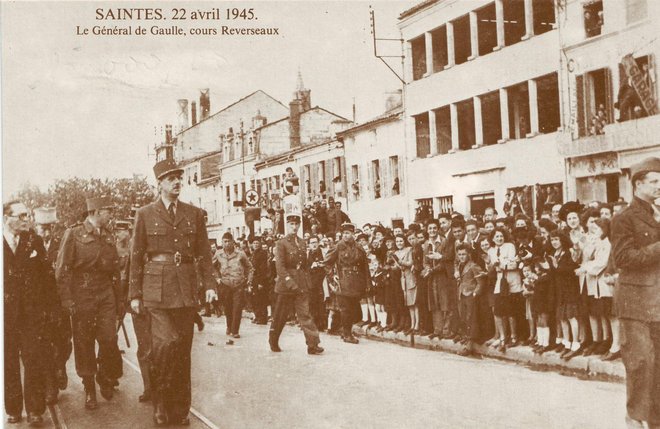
{"x":293,"y":217}
{"x":165,"y":167}
{"x":45,"y":215}
{"x":645,"y":166}
{"x":347,"y":227}
{"x":98,"y":203}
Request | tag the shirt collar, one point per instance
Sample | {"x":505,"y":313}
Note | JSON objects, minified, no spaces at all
{"x":643,"y":205}
{"x":167,"y":202}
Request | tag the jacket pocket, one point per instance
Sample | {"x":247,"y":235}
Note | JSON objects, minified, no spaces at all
{"x":152,"y":283}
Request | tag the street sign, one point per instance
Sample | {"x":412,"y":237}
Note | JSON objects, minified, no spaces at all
{"x":252,"y":198}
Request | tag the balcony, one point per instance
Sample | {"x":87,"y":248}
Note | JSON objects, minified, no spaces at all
{"x":617,"y":137}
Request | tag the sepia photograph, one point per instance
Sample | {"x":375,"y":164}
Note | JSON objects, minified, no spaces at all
{"x":330,"y":214}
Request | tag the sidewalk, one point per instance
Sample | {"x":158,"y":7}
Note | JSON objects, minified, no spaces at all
{"x":583,"y":367}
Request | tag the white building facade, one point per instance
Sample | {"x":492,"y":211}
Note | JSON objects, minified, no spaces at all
{"x":482,"y":106}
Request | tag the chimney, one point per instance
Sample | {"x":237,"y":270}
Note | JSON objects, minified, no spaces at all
{"x":168,"y":134}
{"x":183,"y":114}
{"x":204,"y":104}
{"x":193,"y":112}
{"x":393,"y":99}
{"x":295,"y":108}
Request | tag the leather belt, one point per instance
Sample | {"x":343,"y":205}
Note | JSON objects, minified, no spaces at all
{"x":174,"y":258}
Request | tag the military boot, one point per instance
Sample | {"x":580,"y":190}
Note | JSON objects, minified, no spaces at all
{"x":106,"y":387}
{"x":90,"y":393}
{"x":273,"y":340}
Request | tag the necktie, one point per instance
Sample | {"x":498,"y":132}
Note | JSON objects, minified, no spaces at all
{"x":170,"y":210}
{"x":15,"y":243}
{"x":656,"y":213}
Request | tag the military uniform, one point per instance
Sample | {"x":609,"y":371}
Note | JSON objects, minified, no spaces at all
{"x":292,"y":288}
{"x":28,"y":297}
{"x":87,"y":273}
{"x":353,"y":272}
{"x":164,"y":250}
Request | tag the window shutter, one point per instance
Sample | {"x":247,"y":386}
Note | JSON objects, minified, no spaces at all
{"x":315,"y":178}
{"x":329,"y":186}
{"x":370,"y":178}
{"x":579,"y":91}
{"x":385,"y":184}
{"x":609,"y":104}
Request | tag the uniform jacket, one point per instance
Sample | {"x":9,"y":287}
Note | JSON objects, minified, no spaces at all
{"x":352,"y":268}
{"x":235,"y":269}
{"x":636,"y":250}
{"x":86,"y":259}
{"x":291,"y":265}
{"x":28,"y":289}
{"x":164,"y":284}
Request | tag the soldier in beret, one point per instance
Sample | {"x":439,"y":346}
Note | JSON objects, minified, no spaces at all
{"x":87,"y":272}
{"x":636,"y":253}
{"x":169,"y":242}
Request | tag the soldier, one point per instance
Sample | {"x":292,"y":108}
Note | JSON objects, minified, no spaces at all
{"x":27,"y":300}
{"x":87,"y":272}
{"x":58,"y":326}
{"x":353,"y":275}
{"x":169,"y":240}
{"x":292,"y":288}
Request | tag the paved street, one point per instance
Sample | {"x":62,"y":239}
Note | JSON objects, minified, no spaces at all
{"x":370,"y":385}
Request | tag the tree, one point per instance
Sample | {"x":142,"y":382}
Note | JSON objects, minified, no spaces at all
{"x":69,"y":196}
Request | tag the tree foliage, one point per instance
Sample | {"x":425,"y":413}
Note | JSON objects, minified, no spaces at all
{"x":68,"y":196}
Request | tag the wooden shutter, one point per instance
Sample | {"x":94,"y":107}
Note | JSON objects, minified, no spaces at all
{"x":329,"y":186}
{"x":609,"y":103}
{"x":579,"y":91}
{"x":314,"y":180}
{"x":385,"y":184}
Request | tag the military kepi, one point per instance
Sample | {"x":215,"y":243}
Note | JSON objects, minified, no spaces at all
{"x":645,"y":166}
{"x":347,"y":227}
{"x":98,"y":203}
{"x":165,"y":167}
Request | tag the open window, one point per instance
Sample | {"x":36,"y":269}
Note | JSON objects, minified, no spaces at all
{"x":593,"y":18}
{"x":519,"y":110}
{"x":491,"y":118}
{"x":439,"y":44}
{"x":376,"y":178}
{"x":486,"y":29}
{"x":544,"y":15}
{"x":355,"y":185}
{"x":637,"y":95}
{"x":445,"y":204}
{"x":443,"y":129}
{"x":462,"y":44}
{"x":394,"y":174}
{"x":514,"y":21}
{"x":418,"y":47}
{"x":466,"y":134}
{"x":547,"y":89}
{"x":422,"y":135}
{"x":594,"y":103}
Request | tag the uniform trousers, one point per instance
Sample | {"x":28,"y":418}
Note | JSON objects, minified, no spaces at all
{"x":233,"y":301}
{"x":640,"y":351}
{"x":142,"y":328}
{"x":300,"y":302}
{"x":351,"y":313}
{"x":24,"y":342}
{"x":171,"y":345}
{"x":95,"y":320}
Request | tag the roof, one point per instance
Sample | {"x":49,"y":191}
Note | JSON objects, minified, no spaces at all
{"x":199,"y":157}
{"x":275,"y":159}
{"x":420,"y":6}
{"x":231,"y":105}
{"x":315,"y":108}
{"x":385,"y":117}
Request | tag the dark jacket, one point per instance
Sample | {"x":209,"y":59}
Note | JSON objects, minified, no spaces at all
{"x":636,"y":250}
{"x":261,"y":267}
{"x":352,"y":268}
{"x":165,"y":284}
{"x":291,"y":264}
{"x":317,"y":273}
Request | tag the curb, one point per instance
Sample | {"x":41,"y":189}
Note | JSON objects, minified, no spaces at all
{"x":583,"y":367}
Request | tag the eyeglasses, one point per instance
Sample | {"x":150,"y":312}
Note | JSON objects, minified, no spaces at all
{"x":21,"y":216}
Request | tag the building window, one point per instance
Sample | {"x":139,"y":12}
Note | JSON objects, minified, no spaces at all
{"x":594,"y":92}
{"x":479,"y":203}
{"x":544,"y":16}
{"x":418,"y":47}
{"x":514,"y":21}
{"x":394,"y":173}
{"x":236,"y":196}
{"x":439,"y":44}
{"x":424,"y":210}
{"x":355,"y":184}
{"x":491,"y":119}
{"x":636,"y":10}
{"x":422,"y":133}
{"x":547,"y":90}
{"x":375,"y":178}
{"x":466,"y":136}
{"x":445,"y":204}
{"x":337,"y":177}
{"x":462,"y":45}
{"x":443,"y":129}
{"x":593,"y":18}
{"x":519,"y":110}
{"x":638,"y":91}
{"x":487,"y":29}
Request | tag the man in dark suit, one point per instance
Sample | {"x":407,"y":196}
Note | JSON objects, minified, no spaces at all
{"x":317,"y":273}
{"x":169,"y":237}
{"x":442,"y":260}
{"x":636,"y":252}
{"x":260,"y":280}
{"x":292,"y":288}
{"x":27,"y":299}
{"x":87,"y":273}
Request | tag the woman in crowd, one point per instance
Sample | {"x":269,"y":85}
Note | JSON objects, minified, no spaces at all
{"x":509,"y":303}
{"x":394,"y":300}
{"x":404,"y":261}
{"x":588,"y":306}
{"x":567,"y":289}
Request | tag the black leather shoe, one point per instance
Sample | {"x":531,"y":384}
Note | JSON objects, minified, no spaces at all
{"x":34,"y":420}
{"x":90,"y":398}
{"x":274,"y":347}
{"x":106,"y":391}
{"x":14,"y":419}
{"x":570,"y":355}
{"x":62,"y":379}
{"x":351,"y":340}
{"x":611,"y":356}
{"x":314,"y":350}
{"x":145,"y":396}
{"x":200,"y":324}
